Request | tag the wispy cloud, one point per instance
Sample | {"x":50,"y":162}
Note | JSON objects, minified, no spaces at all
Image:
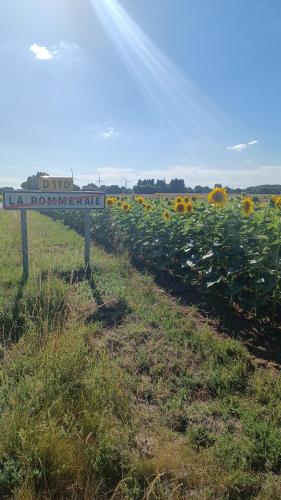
{"x":109,"y":132}
{"x":241,"y":147}
{"x":60,"y":48}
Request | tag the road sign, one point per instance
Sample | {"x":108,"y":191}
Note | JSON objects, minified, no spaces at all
{"x":52,"y":200}
{"x":38,"y":200}
{"x":47,"y":183}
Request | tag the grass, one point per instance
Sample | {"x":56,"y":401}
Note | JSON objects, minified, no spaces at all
{"x":110,"y":389}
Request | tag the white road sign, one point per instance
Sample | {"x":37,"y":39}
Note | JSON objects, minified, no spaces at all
{"x":38,"y":200}
{"x":57,"y":184}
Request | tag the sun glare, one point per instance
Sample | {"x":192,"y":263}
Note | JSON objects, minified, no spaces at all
{"x":174,"y":99}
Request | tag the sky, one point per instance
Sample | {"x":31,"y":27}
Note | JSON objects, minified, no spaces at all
{"x":141,"y":89}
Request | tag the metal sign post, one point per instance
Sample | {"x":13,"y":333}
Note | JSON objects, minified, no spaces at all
{"x":24,"y":242}
{"x":87,"y":238}
{"x":45,"y":200}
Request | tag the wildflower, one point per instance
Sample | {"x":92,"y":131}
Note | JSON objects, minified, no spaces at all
{"x":247,"y":205}
{"x":180,"y":207}
{"x":218,"y":197}
{"x":126,"y":207}
{"x":166,"y":214}
{"x":110,"y":202}
{"x":277,"y":200}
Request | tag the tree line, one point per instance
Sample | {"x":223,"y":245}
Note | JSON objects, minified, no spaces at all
{"x":152,"y":186}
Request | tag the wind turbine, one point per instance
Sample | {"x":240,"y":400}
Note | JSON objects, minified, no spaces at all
{"x":73,"y":178}
{"x":126,"y":181}
{"x":100,"y":180}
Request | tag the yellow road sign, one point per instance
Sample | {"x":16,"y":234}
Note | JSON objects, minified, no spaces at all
{"x":47,"y":183}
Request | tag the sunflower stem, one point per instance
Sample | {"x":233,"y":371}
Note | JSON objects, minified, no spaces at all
{"x":277,"y":265}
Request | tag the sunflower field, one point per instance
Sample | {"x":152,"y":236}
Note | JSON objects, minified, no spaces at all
{"x":228,"y":248}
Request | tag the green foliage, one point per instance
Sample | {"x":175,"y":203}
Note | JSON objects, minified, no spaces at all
{"x":32,"y":181}
{"x":228,"y":255}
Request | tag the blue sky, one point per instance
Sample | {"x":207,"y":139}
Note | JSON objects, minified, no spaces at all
{"x":141,"y":88}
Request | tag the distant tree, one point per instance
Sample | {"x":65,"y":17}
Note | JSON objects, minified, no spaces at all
{"x":113,"y":189}
{"x":202,"y":189}
{"x":145,"y":186}
{"x":32,"y":181}
{"x":264,"y":189}
{"x":161,"y":186}
{"x":177,"y":186}
{"x":234,"y":190}
{"x":90,"y":187}
{"x":126,"y":190}
{"x":2,"y":189}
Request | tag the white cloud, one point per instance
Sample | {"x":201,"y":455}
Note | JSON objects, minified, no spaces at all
{"x":238,"y":177}
{"x":241,"y":147}
{"x":109,"y":132}
{"x":58,"y":49}
{"x":237,"y":147}
{"x":41,"y":52}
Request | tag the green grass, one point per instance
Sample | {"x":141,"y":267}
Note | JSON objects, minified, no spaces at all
{"x":110,"y":389}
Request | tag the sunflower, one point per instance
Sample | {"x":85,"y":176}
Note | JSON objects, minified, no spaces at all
{"x":186,"y":199}
{"x":126,"y":207}
{"x":217,"y":197}
{"x":148,"y":206}
{"x":166,"y":214}
{"x":140,"y":200}
{"x":189,"y":207}
{"x":180,"y":207}
{"x":247,"y":206}
{"x":277,"y":200}
{"x":179,"y":199}
{"x":110,"y":201}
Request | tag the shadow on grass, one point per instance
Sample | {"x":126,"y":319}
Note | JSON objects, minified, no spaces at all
{"x":261,"y":339}
{"x":77,"y":276}
{"x":11,"y":320}
{"x":257,"y":334}
{"x":110,"y":313}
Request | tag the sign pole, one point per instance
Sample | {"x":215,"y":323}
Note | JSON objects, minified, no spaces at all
{"x":24,"y":200}
{"x":24,"y":242}
{"x":87,"y":238}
